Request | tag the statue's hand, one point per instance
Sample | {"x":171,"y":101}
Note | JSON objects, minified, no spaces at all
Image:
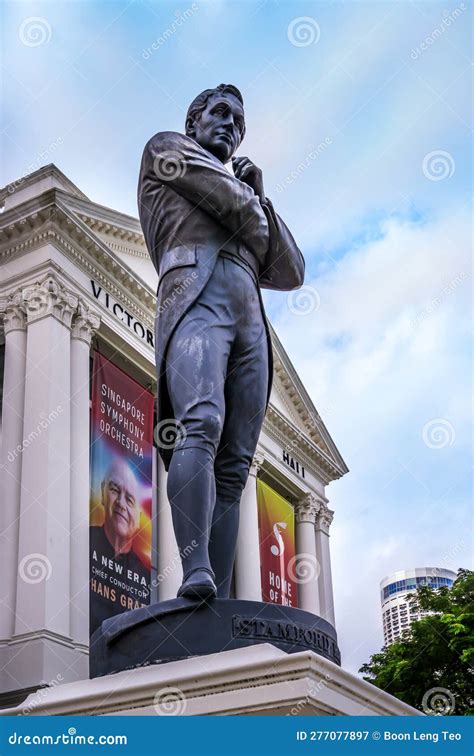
{"x":250,"y":174}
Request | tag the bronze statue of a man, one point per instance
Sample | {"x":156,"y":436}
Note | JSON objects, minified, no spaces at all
{"x":215,"y":240}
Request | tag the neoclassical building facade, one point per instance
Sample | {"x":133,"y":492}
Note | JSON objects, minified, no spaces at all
{"x":76,"y":277}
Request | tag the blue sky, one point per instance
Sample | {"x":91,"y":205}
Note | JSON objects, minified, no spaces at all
{"x":360,"y":119}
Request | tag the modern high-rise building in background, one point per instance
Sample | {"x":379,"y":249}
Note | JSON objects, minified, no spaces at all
{"x":396,"y":612}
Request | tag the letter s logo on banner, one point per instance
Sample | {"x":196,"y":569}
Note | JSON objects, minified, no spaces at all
{"x":278,"y":550}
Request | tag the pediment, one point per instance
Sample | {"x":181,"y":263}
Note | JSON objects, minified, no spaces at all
{"x":121,"y":233}
{"x":282,"y":399}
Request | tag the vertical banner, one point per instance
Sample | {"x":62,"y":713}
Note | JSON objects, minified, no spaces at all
{"x":121,"y":492}
{"x":276,"y":524}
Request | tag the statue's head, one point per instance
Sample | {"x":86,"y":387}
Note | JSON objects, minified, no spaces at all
{"x":215,"y":119}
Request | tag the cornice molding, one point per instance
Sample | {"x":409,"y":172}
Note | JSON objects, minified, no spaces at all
{"x":282,"y":391}
{"x":117,"y":238}
{"x":126,"y":250}
{"x":106,"y":215}
{"x":53,"y":224}
{"x":48,"y":635}
{"x":121,"y":232}
{"x":287,"y":380}
{"x":303,"y":404}
{"x":110,"y":229}
{"x":46,"y":171}
{"x":288,"y":435}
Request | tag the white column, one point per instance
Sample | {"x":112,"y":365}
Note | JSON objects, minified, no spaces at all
{"x":323,"y":522}
{"x":170,"y":573}
{"x":154,"y":595}
{"x":14,"y":323}
{"x":248,"y":580}
{"x":43,"y":578}
{"x":308,"y":568}
{"x":84,"y":324}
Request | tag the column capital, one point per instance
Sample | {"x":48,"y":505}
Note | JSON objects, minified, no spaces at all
{"x":324,"y":519}
{"x":307,"y":508}
{"x":85,"y":322}
{"x":257,"y":463}
{"x":49,"y":297}
{"x":13,"y":312}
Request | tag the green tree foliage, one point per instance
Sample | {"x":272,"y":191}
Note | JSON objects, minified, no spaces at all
{"x":437,"y":652}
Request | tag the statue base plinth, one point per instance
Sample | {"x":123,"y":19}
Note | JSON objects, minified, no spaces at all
{"x":259,"y":680}
{"x":181,"y":628}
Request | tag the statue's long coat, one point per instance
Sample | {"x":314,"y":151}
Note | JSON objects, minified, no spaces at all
{"x":190,"y":207}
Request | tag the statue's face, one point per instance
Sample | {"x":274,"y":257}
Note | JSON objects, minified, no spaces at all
{"x":120,"y":502}
{"x":220,"y":125}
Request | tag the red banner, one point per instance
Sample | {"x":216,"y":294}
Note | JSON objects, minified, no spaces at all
{"x":121,"y":492}
{"x":276,"y":524}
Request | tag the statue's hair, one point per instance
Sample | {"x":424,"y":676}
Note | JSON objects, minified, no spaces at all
{"x":199,"y":103}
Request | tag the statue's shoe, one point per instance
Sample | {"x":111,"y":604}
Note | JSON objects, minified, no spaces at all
{"x":198,"y":585}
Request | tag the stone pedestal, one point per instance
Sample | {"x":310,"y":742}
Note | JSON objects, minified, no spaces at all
{"x":259,"y":680}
